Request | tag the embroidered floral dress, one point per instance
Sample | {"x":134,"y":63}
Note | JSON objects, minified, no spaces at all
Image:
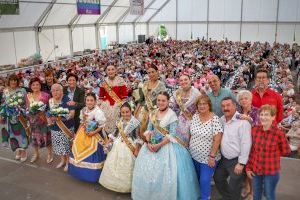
{"x":118,"y":167}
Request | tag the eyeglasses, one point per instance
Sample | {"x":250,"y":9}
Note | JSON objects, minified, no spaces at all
{"x":261,"y":77}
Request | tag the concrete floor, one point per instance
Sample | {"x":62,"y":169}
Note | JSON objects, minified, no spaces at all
{"x":25,"y":181}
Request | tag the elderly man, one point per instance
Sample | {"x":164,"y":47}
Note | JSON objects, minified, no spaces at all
{"x":235,"y":149}
{"x":217,"y":94}
{"x":263,"y":94}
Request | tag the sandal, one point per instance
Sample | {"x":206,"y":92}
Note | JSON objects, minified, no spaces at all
{"x":49,"y":159}
{"x":34,"y":158}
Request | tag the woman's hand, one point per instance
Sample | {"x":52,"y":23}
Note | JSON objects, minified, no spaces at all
{"x":155,"y":147}
{"x":150,"y":147}
{"x":245,"y":117}
{"x":211,"y":162}
{"x":92,"y":133}
{"x":136,"y":152}
{"x":71,"y":103}
{"x":250,"y":174}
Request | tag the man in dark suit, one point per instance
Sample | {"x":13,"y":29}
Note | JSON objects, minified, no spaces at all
{"x":76,"y":96}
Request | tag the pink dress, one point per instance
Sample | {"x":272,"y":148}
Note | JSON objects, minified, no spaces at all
{"x":40,"y":134}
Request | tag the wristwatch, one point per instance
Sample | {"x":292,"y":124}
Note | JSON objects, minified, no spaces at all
{"x":242,"y":164}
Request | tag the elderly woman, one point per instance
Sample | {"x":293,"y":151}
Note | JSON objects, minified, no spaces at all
{"x":18,"y":130}
{"x":206,"y":135}
{"x":40,"y":134}
{"x":247,"y":111}
{"x":268,"y":144}
{"x":61,"y":126}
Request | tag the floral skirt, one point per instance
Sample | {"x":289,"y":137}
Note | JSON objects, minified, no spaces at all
{"x":40,"y":135}
{"x":61,"y":144}
{"x":4,"y":136}
{"x":17,"y":135}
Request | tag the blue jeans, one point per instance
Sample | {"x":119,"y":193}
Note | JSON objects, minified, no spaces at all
{"x":264,"y":184}
{"x":204,"y":175}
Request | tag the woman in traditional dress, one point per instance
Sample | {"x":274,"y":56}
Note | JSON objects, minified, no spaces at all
{"x":164,"y":169}
{"x":184,"y":104}
{"x":61,"y":127}
{"x":113,"y":92}
{"x":148,"y":95}
{"x":118,"y":167}
{"x":40,"y":134}
{"x":18,"y":129}
{"x":88,"y":156}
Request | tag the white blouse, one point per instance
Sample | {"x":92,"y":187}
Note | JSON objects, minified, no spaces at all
{"x":202,"y":138}
{"x":95,"y":114}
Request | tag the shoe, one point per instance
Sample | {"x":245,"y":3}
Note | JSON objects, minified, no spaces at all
{"x":23,"y":159}
{"x":66,"y":167}
{"x":49,"y":159}
{"x":61,"y":164}
{"x":17,"y":157}
{"x":34,"y":158}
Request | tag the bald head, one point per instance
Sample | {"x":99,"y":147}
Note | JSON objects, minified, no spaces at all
{"x":214,"y":83}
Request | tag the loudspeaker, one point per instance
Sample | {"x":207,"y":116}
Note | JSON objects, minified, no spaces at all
{"x":141,"y":38}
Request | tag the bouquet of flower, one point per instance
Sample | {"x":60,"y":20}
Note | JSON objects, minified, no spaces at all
{"x":36,"y":106}
{"x":15,"y":100}
{"x":59,"y":112}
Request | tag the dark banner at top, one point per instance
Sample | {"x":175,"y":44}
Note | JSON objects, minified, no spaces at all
{"x":9,"y":7}
{"x":88,"y":7}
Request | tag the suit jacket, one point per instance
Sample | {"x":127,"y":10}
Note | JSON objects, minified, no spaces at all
{"x":79,"y":95}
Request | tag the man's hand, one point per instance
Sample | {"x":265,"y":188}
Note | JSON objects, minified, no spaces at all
{"x":238,"y":169}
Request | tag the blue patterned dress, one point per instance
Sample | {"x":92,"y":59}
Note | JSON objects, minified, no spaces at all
{"x":167,"y":174}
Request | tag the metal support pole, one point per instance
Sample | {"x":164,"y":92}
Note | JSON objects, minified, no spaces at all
{"x":133,"y":30}
{"x":117,"y":33}
{"x":15,"y":48}
{"x":207,"y":19}
{"x":147,"y":29}
{"x":176,"y":33}
{"x":37,"y":41}
{"x":241,"y":23}
{"x":276,"y":25}
{"x":71,"y":41}
{"x":98,"y":41}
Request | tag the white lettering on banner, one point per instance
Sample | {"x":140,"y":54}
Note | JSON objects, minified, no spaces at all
{"x":136,"y":7}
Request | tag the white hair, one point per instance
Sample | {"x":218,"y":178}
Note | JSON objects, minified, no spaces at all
{"x":243,"y":93}
{"x":56,"y":85}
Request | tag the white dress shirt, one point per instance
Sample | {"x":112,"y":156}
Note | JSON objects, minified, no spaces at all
{"x":236,"y":141}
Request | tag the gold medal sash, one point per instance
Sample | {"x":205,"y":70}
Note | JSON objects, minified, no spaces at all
{"x":164,"y":131}
{"x":63,"y":128}
{"x":184,"y":111}
{"x":111,"y":93}
{"x":148,"y":100}
{"x":24,"y":123}
{"x":125,"y":138}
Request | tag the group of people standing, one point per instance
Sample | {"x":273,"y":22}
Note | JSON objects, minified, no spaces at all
{"x":165,"y":147}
